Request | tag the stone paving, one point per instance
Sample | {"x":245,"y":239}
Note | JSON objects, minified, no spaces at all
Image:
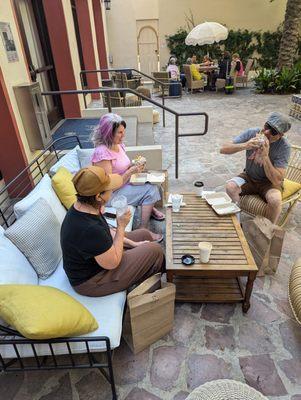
{"x":261,"y":348}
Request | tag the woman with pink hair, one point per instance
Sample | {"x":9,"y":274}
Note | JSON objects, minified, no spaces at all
{"x":110,"y":154}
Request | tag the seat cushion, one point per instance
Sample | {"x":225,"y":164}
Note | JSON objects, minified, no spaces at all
{"x":14,"y":266}
{"x":63,"y":187}
{"x":69,"y":161}
{"x":290,"y":188}
{"x":44,"y":312}
{"x":294,"y":290}
{"x":37,"y":236}
{"x":45,"y":191}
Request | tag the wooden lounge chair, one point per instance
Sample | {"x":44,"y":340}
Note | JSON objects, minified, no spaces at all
{"x":190,"y":83}
{"x":254,"y":205}
{"x":244,"y":79}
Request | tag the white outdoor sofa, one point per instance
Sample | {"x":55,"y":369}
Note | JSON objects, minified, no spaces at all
{"x":15,"y":269}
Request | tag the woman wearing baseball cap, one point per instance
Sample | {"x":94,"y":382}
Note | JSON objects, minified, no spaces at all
{"x":94,"y":258}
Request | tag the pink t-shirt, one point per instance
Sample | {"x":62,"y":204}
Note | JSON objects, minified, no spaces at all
{"x":120,"y":161}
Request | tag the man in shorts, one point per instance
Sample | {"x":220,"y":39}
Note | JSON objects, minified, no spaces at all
{"x":267,"y":155}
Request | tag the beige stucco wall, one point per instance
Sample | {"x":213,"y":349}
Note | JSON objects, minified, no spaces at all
{"x":121,"y":28}
{"x":14,"y":73}
{"x":121,"y":20}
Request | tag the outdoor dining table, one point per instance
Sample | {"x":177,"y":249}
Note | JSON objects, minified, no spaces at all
{"x":208,"y":68}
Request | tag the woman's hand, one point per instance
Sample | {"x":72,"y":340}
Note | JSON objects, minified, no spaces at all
{"x":137,"y":244}
{"x":136,"y":169}
{"x":124,"y":219}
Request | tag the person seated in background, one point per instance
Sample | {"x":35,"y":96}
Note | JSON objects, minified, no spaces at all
{"x":173,"y":70}
{"x":110,"y":154}
{"x":206,"y":61}
{"x":238,"y":65}
{"x":194,"y":68}
{"x":194,"y":59}
{"x":267,"y":156}
{"x":93,"y":256}
{"x":224,"y":66}
{"x":170,"y":57}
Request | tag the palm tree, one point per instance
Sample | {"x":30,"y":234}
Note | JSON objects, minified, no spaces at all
{"x":290,"y":34}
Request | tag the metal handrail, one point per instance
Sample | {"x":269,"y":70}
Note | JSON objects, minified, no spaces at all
{"x":170,"y":110}
{"x":160,"y":83}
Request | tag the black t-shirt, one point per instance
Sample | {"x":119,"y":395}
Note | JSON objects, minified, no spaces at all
{"x":83,"y":236}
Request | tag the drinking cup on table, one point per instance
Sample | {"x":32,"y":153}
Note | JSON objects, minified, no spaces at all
{"x":176,"y":202}
{"x":120,"y":203}
{"x":205,"y":251}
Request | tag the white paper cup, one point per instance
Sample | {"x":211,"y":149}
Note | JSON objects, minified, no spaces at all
{"x":205,"y":251}
{"x":176,"y":202}
{"x":120,"y":204}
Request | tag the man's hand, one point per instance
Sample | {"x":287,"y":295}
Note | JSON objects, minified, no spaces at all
{"x":124,"y":219}
{"x":253,"y":144}
{"x":265,"y":149}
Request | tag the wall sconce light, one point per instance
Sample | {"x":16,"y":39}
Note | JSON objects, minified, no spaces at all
{"x":107,"y":4}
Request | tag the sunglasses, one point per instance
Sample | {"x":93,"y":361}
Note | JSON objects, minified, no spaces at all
{"x":271,"y":129}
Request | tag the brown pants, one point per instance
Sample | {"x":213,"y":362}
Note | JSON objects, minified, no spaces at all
{"x":256,"y":187}
{"x":136,"y":265}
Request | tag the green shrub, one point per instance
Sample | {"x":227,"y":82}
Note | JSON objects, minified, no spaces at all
{"x":265,"y":81}
{"x":288,"y":80}
{"x":244,"y":42}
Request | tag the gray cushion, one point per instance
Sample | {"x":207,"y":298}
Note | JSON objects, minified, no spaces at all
{"x":37,"y":236}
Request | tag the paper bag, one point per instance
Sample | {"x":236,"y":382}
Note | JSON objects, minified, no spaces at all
{"x":265,"y":241}
{"x":149,"y":314}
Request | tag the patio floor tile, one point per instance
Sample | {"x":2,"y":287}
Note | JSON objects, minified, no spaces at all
{"x":166,"y":366}
{"x":204,"y":368}
{"x":260,"y":372}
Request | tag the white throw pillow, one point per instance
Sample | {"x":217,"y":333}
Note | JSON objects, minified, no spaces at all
{"x":45,"y":191}
{"x":69,"y":161}
{"x":84,"y":157}
{"x":37,"y":236}
{"x":14,"y":266}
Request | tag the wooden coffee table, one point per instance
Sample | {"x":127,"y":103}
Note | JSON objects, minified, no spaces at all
{"x":219,"y":280}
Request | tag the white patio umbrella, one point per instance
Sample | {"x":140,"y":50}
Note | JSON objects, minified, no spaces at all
{"x":206,"y":33}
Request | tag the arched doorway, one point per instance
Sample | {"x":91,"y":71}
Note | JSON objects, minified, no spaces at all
{"x":148,"y":50}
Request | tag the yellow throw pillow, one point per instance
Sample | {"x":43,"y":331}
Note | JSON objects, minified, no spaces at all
{"x":63,"y":187}
{"x":44,"y":312}
{"x":290,"y":187}
{"x":196,"y":76}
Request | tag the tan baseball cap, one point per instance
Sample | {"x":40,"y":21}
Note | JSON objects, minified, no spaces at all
{"x":93,"y":180}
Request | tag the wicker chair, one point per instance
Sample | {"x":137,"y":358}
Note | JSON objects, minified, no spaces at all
{"x":121,"y":80}
{"x":190,"y":83}
{"x":225,"y":389}
{"x":244,"y":79}
{"x":130,"y":100}
{"x":294,"y":290}
{"x":221,"y":82}
{"x":254,"y":205}
{"x":163,"y":77}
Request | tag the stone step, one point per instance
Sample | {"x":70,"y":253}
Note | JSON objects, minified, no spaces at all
{"x":145,"y":133}
{"x":131,"y":131}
